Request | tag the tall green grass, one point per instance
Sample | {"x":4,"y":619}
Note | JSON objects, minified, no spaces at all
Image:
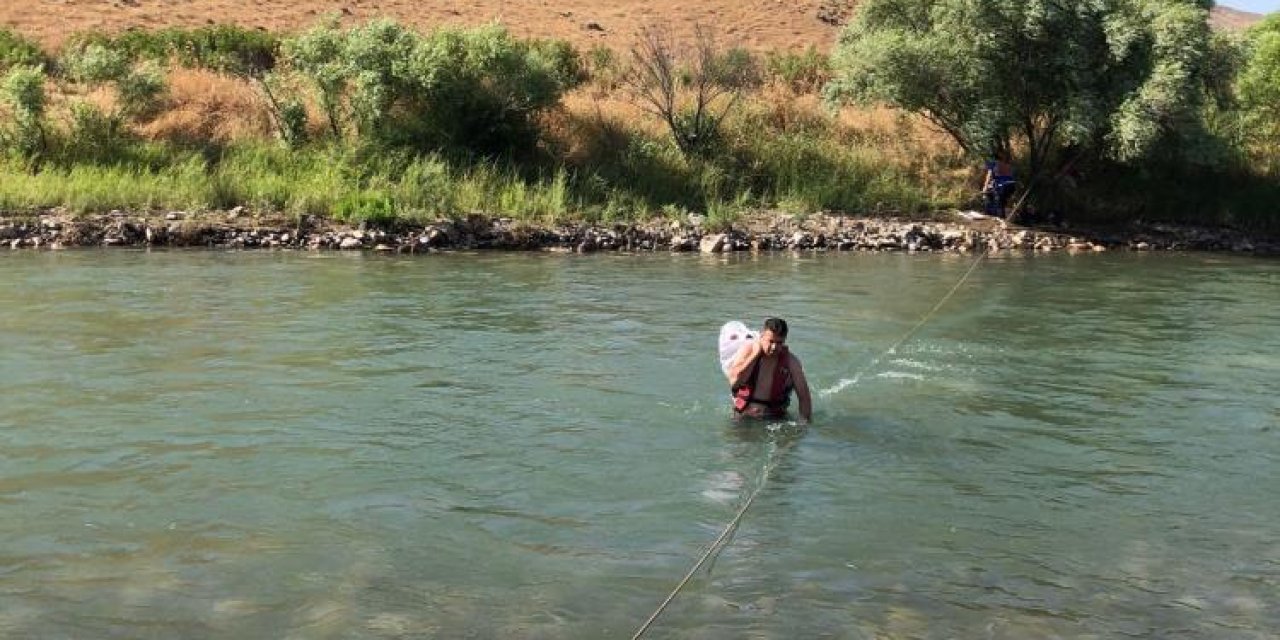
{"x":93,"y":188}
{"x":324,"y":181}
{"x":798,"y":174}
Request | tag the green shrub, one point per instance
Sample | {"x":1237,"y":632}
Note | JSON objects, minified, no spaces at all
{"x":98,"y":136}
{"x":479,"y":89}
{"x":603,"y":68}
{"x":95,"y":63}
{"x":16,"y":50}
{"x":227,"y":48}
{"x":318,"y":55}
{"x":94,"y":136}
{"x":737,"y":68}
{"x":471,"y":90}
{"x":132,"y":44}
{"x":803,"y":72}
{"x":293,"y":123}
{"x":224,"y":47}
{"x":140,"y":89}
{"x":23,"y":90}
{"x":561,"y":62}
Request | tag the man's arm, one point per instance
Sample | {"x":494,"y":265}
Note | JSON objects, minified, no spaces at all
{"x":802,"y":389}
{"x":742,"y":363}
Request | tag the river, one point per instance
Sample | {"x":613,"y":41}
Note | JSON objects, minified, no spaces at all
{"x":200,"y":444}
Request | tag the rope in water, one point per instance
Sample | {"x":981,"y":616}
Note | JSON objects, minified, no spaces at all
{"x":714,"y":546}
{"x":729,"y":528}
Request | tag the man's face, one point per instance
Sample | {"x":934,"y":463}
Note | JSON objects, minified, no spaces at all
{"x":769,"y":343}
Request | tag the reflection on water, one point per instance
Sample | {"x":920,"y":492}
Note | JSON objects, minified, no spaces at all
{"x":200,"y":444}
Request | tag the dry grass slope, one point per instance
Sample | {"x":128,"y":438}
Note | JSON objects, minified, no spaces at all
{"x":1228,"y":19}
{"x":756,"y":24}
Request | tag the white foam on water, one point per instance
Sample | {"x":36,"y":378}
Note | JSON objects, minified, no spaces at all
{"x":724,"y":487}
{"x":916,"y":364}
{"x":843,"y":384}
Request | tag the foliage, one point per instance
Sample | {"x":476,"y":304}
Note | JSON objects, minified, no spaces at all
{"x":23,"y":90}
{"x":293,"y":123}
{"x":16,"y":50}
{"x":1258,"y":87}
{"x":1124,"y":79}
{"x":139,"y":90}
{"x":138,"y":86}
{"x":803,"y":72}
{"x":223,"y":47}
{"x":603,"y":68}
{"x":317,"y":54}
{"x":475,"y":90}
{"x":95,"y":63}
{"x":95,"y":136}
{"x":419,"y":126}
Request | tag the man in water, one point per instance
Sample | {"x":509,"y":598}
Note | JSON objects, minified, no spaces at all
{"x":764,"y":373}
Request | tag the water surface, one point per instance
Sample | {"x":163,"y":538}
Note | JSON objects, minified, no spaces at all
{"x":294,"y":445}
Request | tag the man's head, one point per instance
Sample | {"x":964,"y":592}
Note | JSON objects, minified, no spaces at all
{"x":773,"y":336}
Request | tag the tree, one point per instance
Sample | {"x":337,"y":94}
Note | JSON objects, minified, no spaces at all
{"x":692,"y":88}
{"x":1258,"y":88}
{"x":1049,"y":80}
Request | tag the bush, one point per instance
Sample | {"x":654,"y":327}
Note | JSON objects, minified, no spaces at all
{"x":23,"y":90}
{"x":317,"y":54}
{"x":1258,"y":88}
{"x":94,"y":136}
{"x":603,"y":68}
{"x":16,"y":50}
{"x":479,"y":89}
{"x":95,"y":63}
{"x":804,"y":72}
{"x":293,"y":123}
{"x":225,"y":48}
{"x":470,"y":90}
{"x":140,"y":90}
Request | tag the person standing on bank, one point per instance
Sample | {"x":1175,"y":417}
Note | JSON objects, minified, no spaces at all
{"x":998,"y":184}
{"x":764,"y":373}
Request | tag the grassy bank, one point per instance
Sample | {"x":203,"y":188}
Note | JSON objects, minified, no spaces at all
{"x":381,"y":124}
{"x":372,"y":184}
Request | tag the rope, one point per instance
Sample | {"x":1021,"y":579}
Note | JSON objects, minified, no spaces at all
{"x":715,"y":544}
{"x":910,"y":332}
{"x":773,"y":456}
{"x":1013,"y":214}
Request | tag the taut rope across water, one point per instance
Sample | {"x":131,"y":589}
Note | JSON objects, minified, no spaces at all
{"x":732,"y":525}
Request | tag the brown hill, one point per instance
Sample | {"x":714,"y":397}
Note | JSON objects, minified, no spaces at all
{"x":758,"y":24}
{"x":1228,"y":19}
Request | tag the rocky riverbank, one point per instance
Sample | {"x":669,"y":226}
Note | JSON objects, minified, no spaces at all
{"x":961,"y":233}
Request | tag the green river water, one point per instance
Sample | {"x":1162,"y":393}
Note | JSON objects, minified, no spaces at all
{"x":294,"y":445}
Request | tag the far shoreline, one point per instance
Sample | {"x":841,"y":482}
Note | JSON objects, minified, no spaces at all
{"x":943,"y":232}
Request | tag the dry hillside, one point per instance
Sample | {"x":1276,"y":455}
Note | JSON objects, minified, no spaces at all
{"x":1230,"y":19}
{"x":759,"y":24}
{"x":762,"y":24}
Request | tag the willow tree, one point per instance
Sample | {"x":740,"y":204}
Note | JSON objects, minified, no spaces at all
{"x":1049,"y":80}
{"x":1259,"y":90}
